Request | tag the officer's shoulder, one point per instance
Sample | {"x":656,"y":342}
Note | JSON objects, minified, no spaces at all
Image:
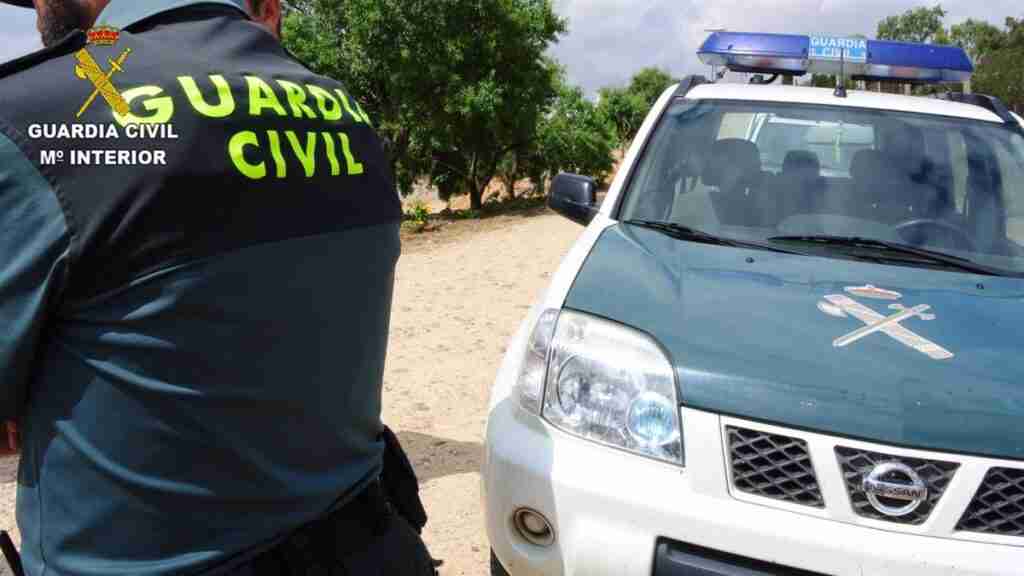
{"x":68,"y":45}
{"x":307,"y":69}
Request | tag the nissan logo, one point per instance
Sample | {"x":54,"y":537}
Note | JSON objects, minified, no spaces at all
{"x":894,"y":489}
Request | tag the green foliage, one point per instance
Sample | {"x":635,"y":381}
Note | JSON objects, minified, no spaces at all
{"x":998,"y":54}
{"x":1002,"y":75}
{"x":976,"y":37}
{"x":649,"y":83}
{"x":823,"y":81}
{"x":575,"y":136}
{"x":453,"y":85}
{"x":418,"y":214}
{"x":1000,"y":72}
{"x":627,"y":107}
{"x":624,"y":110}
{"x":915,"y":25}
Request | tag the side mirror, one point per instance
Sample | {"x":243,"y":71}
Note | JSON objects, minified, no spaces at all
{"x":574,"y":197}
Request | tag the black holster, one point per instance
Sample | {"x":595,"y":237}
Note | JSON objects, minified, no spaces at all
{"x":11,"y":554}
{"x":399,"y":483}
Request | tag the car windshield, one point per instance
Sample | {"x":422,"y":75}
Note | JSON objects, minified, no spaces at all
{"x":763,"y":170}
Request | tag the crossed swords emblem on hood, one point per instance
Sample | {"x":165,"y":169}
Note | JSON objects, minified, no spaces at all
{"x":843,"y":306}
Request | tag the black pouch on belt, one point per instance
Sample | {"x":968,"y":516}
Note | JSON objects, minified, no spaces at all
{"x":399,"y":482}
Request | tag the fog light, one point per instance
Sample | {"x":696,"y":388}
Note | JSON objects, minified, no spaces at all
{"x":533,"y":527}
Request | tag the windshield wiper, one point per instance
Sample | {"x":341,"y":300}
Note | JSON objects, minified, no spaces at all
{"x":921,"y":255}
{"x":694,"y":235}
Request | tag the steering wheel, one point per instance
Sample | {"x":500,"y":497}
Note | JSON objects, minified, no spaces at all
{"x":916,"y":232}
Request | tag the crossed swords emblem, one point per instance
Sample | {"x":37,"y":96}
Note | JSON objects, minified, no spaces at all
{"x":88,"y":69}
{"x":842,"y":306}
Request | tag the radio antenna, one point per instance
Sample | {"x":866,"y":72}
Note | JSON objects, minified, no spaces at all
{"x":841,"y":81}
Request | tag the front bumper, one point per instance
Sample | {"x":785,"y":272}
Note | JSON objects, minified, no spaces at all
{"x":611,"y":509}
{"x":678,"y":559}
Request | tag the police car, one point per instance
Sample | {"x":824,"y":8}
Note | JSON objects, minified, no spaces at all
{"x":787,"y":342}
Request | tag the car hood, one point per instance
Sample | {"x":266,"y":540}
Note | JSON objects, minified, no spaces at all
{"x":753,"y":334}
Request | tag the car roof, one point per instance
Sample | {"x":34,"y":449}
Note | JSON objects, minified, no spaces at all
{"x":854,"y":99}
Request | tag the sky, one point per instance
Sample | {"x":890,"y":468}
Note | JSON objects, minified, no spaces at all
{"x":609,"y":40}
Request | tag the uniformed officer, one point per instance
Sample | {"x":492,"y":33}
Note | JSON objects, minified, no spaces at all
{"x":198,"y":239}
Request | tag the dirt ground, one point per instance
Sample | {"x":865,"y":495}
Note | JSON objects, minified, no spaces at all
{"x":461,"y":292}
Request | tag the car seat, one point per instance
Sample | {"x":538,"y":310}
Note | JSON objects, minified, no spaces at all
{"x":799,"y":188}
{"x":733,"y":168}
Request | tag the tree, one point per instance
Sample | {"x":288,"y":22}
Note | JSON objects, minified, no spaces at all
{"x":977,"y":38}
{"x":921,"y":25}
{"x":1002,"y":75}
{"x":453,"y":85}
{"x":624,"y":110}
{"x":649,"y":83}
{"x":1000,"y":72}
{"x":627,"y":107}
{"x":573,"y":137}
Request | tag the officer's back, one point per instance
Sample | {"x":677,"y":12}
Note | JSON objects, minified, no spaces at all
{"x":202,"y":365}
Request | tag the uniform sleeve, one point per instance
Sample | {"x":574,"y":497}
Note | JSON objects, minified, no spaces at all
{"x":34,"y":240}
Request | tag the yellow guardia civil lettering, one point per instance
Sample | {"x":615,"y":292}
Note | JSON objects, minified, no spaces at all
{"x":236,"y":149}
{"x":226,"y":100}
{"x":305,"y":155}
{"x":354,"y":112}
{"x":354,"y":167}
{"x":323,"y":97}
{"x":275,"y":151}
{"x":161,"y":107}
{"x":262,"y":96}
{"x":297,"y":99}
{"x":257,"y":154}
{"x":331,"y":156}
{"x":248,"y":151}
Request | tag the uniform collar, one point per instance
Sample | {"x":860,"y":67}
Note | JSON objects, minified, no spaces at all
{"x":124,"y":13}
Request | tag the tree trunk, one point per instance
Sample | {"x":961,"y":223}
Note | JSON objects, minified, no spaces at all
{"x":540,"y":184}
{"x":510,"y":182}
{"x":476,"y":197}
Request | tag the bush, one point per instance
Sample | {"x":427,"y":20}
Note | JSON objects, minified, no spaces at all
{"x":418,"y":214}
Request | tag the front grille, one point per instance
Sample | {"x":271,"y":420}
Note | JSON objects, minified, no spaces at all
{"x":773,"y":466}
{"x":856,"y":464}
{"x":998,"y":506}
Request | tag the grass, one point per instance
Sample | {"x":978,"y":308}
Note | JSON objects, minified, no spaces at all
{"x":417,"y":218}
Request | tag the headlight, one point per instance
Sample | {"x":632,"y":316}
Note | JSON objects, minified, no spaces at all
{"x":604,"y":382}
{"x":535,"y":365}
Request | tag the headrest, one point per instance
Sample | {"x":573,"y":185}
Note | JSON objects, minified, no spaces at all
{"x":735,"y":156}
{"x":903,"y":145}
{"x":803,"y":162}
{"x":867,"y":164}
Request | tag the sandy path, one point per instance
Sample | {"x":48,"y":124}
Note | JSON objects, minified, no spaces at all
{"x":456,"y":307}
{"x":460,"y":295}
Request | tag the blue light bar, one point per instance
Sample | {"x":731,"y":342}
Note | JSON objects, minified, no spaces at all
{"x":917,"y":62}
{"x":784,"y":53}
{"x":861,"y":59}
